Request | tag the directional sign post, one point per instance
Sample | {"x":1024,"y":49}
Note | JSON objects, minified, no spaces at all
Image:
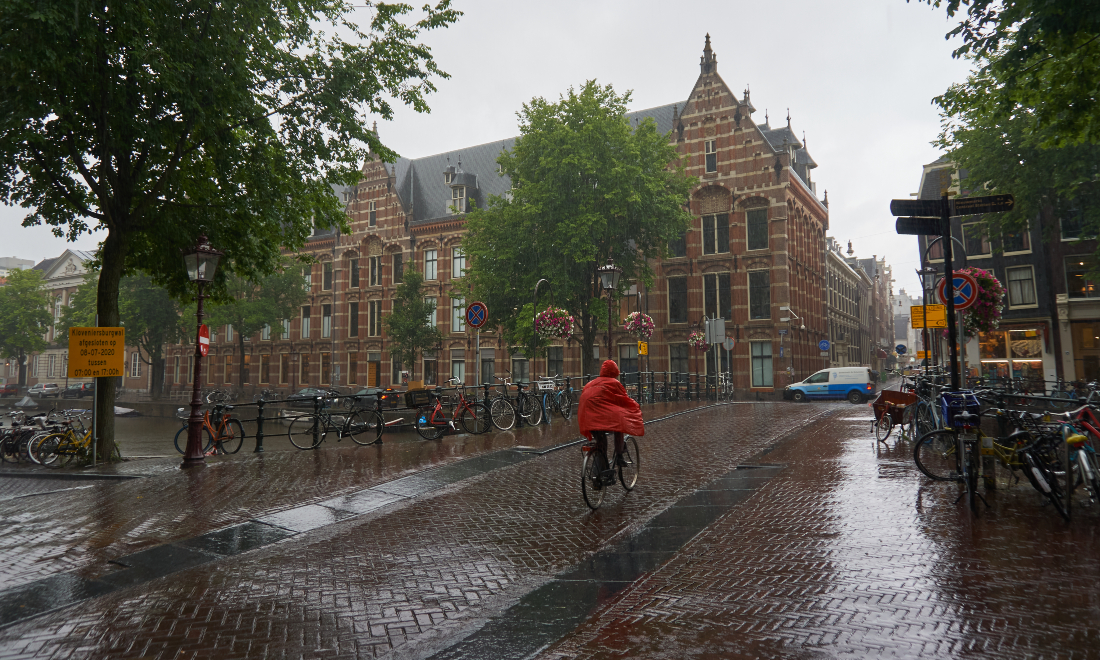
{"x":946,"y":208}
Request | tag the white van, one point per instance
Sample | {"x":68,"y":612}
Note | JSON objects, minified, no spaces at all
{"x":857,"y":384}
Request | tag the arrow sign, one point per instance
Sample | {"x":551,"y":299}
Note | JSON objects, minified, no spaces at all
{"x":823,"y":345}
{"x":979,"y":205}
{"x":919,"y":226}
{"x":919,"y":207}
{"x":204,"y":340}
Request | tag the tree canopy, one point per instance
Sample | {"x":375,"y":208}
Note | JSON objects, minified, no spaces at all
{"x":586,"y":186}
{"x":153,"y":121}
{"x":24,"y":317}
{"x":408,"y":327}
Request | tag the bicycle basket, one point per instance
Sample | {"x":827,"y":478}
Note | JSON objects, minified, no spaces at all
{"x":953,"y":403}
{"x":417,"y":398}
{"x":546,"y":385}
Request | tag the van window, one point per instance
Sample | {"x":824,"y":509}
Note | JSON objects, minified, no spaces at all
{"x":819,"y":377}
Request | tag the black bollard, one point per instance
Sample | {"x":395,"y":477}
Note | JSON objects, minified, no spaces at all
{"x":316,"y":421}
{"x":259,"y":426}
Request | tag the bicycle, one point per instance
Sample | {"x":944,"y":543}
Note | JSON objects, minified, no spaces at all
{"x":363,"y":426}
{"x":525,"y":404}
{"x":431,"y":420}
{"x":501,"y":410}
{"x":224,"y":438}
{"x":959,"y":444}
{"x":15,"y":440}
{"x":597,"y":474}
{"x":558,"y":397}
{"x":65,"y":446}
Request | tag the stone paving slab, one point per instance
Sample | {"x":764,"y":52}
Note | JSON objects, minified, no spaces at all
{"x":413,"y":578}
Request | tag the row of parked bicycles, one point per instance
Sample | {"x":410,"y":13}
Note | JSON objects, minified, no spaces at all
{"x":1053,"y":448}
{"x":57,"y":438}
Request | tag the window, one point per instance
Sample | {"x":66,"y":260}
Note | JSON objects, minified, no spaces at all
{"x":1080,"y":283}
{"x":555,"y":361}
{"x":353,"y":368}
{"x":757,"y":223}
{"x":265,"y":369}
{"x":326,"y":368}
{"x":303,"y":368}
{"x":135,"y":365}
{"x":488,"y":365}
{"x":326,"y":276}
{"x":246,"y":372}
{"x":521,"y":369}
{"x":760,"y":295}
{"x":286,"y":329}
{"x":628,"y":363}
{"x":761,"y":352}
{"x":458,"y":262}
{"x":678,"y":247}
{"x":432,"y":320}
{"x":396,"y":370}
{"x":429,"y":265}
{"x":716,"y":233}
{"x":228,"y":374}
{"x":1073,"y":227}
{"x":819,"y":377}
{"x":935,"y":250}
{"x":229,"y":332}
{"x":305,"y":322}
{"x":458,"y":315}
{"x":284,"y":368}
{"x":176,"y":371}
{"x":374,"y":318}
{"x":1021,"y":286}
{"x":1018,"y":242}
{"x":326,"y":321}
{"x":373,"y":211}
{"x":678,"y":358}
{"x":458,"y":364}
{"x":49,"y":366}
{"x":677,"y":300}
{"x":375,"y":271}
{"x":711,"y":156}
{"x":398,"y":269}
{"x":353,"y":319}
{"x":716,"y":296}
{"x":355,"y":273}
{"x":307,"y":277}
{"x":265,"y":332}
{"x":976,"y":241}
{"x":458,"y":198}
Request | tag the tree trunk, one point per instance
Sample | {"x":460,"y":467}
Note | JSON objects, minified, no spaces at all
{"x":588,"y":342}
{"x":22,"y":368}
{"x":156,"y":366}
{"x":114,"y":256}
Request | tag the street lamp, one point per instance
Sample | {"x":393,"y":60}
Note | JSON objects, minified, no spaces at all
{"x":802,"y":326}
{"x":609,"y":280}
{"x":928,"y":281}
{"x":201,"y":262}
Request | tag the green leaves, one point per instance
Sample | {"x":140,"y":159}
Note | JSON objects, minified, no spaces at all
{"x":24,"y":313}
{"x":408,"y":327}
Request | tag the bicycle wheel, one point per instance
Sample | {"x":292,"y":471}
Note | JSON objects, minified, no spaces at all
{"x":884,"y":425}
{"x":9,"y":448}
{"x":1086,"y":461}
{"x":935,"y":455}
{"x":232,"y":436}
{"x":530,"y":409}
{"x":181,"y":439}
{"x":307,"y":431}
{"x":1044,"y":480}
{"x":565,"y":405}
{"x":428,"y":428}
{"x":628,"y":474}
{"x":925,"y":418}
{"x":1063,"y":400}
{"x":969,"y":448}
{"x":503,"y":414}
{"x":44,"y":448}
{"x":475,"y":418}
{"x":591,"y":480}
{"x":364,"y":427}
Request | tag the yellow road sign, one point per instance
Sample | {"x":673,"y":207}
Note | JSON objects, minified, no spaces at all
{"x":643,"y":348}
{"x":922,"y":354}
{"x":96,"y":352}
{"x":934,"y":315}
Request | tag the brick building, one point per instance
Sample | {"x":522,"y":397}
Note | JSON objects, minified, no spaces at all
{"x":756,"y":245}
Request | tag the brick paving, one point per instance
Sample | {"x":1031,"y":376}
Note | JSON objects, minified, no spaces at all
{"x":851,"y":553}
{"x":409,"y":579}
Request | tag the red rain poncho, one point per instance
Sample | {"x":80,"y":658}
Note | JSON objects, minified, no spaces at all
{"x":605,"y":405}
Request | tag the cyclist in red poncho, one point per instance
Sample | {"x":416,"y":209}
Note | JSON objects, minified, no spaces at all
{"x":606,"y":408}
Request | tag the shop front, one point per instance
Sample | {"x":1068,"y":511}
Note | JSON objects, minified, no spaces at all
{"x":1017,"y":351}
{"x":1086,"y":349}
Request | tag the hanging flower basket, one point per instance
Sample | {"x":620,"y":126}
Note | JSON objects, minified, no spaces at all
{"x":698,"y":340}
{"x":554,"y":322}
{"x":985,"y":314}
{"x":639,"y":324}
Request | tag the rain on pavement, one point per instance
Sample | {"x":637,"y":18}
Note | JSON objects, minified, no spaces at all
{"x":838,"y":547}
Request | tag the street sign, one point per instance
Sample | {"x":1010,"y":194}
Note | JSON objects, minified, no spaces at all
{"x":96,"y":352}
{"x":780,"y":351}
{"x":900,"y":348}
{"x":714,"y":330}
{"x":922,"y":354}
{"x":643,"y":348}
{"x":965,"y":290}
{"x":783,"y":331}
{"x":823,"y":345}
{"x":928,"y":208}
{"x":730,"y":343}
{"x":931,"y":316}
{"x":476,"y":314}
{"x":979,"y":205}
{"x":919,"y":226}
{"x":824,"y":353}
{"x":204,"y":340}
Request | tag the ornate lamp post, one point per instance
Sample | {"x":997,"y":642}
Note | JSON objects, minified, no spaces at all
{"x":928,"y":281}
{"x":609,"y":280}
{"x":201,"y":263}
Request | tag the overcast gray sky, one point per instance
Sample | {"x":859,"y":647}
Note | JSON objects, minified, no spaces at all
{"x":857,"y":75}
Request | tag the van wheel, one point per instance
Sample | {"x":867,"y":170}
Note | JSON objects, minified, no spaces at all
{"x":855,"y":397}
{"x":799,"y":397}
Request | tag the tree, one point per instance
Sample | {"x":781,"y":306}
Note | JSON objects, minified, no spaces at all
{"x":24,"y":317}
{"x":409,"y":328}
{"x":586,"y":186}
{"x":1035,"y":57}
{"x":155,"y":121}
{"x":251,"y":307}
{"x":152,"y":318}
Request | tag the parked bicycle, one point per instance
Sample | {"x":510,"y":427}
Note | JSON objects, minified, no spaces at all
{"x":556,"y":396}
{"x":71,"y":443}
{"x":309,"y":430}
{"x":224,"y":433}
{"x":434,"y":420}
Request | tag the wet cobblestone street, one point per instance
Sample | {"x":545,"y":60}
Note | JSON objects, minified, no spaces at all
{"x":409,"y":549}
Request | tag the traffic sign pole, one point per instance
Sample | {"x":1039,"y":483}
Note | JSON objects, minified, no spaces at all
{"x":949,"y":275}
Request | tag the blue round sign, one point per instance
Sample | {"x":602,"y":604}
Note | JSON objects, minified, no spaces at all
{"x":476,"y":314}
{"x":823,"y":344}
{"x":900,"y":348}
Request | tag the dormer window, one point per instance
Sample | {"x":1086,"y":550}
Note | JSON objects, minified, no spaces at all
{"x":447,"y":177}
{"x":458,"y":198}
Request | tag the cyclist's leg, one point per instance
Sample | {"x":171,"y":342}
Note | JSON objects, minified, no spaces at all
{"x":620,"y":445}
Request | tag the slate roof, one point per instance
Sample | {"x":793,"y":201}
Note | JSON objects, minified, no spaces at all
{"x":427,"y":197}
{"x":45,"y":264}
